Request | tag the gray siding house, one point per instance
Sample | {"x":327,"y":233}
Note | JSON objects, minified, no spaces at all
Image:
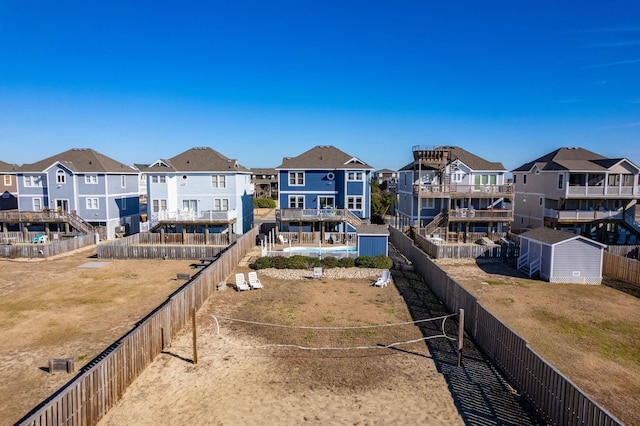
{"x":98,"y":189}
{"x":561,"y":257}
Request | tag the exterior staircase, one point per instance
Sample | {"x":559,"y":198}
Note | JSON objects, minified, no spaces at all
{"x":529,"y":268}
{"x":438,"y":221}
{"x":79,"y":224}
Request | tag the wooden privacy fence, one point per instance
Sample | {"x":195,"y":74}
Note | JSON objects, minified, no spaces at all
{"x":101,"y":383}
{"x":556,"y":398}
{"x":131,"y":248}
{"x":622,"y":268}
{"x":51,"y":248}
{"x":190,"y":238}
{"x":466,"y":251}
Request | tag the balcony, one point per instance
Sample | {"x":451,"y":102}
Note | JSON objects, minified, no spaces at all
{"x":462,"y":191}
{"x":573,"y":216}
{"x":190,"y":217}
{"x":317,"y":215}
{"x":601,"y":191}
{"x":476,"y":215}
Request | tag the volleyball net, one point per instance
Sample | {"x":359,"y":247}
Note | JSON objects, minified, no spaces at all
{"x":256,"y":335}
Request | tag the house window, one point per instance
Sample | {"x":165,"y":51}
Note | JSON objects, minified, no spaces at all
{"x":296,"y":178}
{"x":354,"y":176}
{"x":218,"y":181}
{"x":159,"y":205}
{"x":190,"y":205}
{"x":221,"y":204}
{"x":123,"y":181}
{"x":427,"y":203}
{"x":32,"y":181}
{"x":354,"y":203}
{"x":514,"y":178}
{"x":560,"y":181}
{"x":627,"y":180}
{"x":91,"y":179}
{"x":457,"y":177}
{"x":540,"y":202}
{"x":158,"y":179}
{"x":7,"y":180}
{"x":92,"y":204}
{"x":61,"y":177}
{"x":296,"y":202}
{"x":524,"y":179}
{"x":37,"y":204}
{"x":325,"y":202}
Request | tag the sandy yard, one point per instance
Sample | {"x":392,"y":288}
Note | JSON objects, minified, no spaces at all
{"x":236,"y":383}
{"x":73,"y":306}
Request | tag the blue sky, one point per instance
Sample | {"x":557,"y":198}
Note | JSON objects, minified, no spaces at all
{"x":258,"y":81}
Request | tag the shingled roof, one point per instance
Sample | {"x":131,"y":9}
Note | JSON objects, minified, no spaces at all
{"x":577,"y":159}
{"x":471,"y":160}
{"x":80,"y":160}
{"x":324,"y":157}
{"x":553,"y":236}
{"x":8,"y":168}
{"x":199,"y":159}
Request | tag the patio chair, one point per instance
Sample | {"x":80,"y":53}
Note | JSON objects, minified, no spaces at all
{"x":282,"y":239}
{"x":241,"y":283}
{"x":383,"y":281}
{"x":254,"y":281}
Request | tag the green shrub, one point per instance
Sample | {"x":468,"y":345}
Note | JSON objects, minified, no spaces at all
{"x":264,"y":203}
{"x":346,"y":262}
{"x":263,"y":263}
{"x":297,"y":262}
{"x":279,"y":262}
{"x":329,"y":262}
{"x":364,"y":262}
{"x":382,"y":262}
{"x":313,"y":262}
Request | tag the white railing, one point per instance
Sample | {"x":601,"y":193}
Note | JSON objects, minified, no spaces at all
{"x":202,"y":216}
{"x":583,"y":214}
{"x":601,"y":190}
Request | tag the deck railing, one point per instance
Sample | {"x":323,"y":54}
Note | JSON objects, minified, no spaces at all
{"x":463,"y":191}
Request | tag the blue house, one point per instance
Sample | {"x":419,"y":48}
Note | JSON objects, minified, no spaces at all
{"x":200,"y":191}
{"x":87,"y":189}
{"x":323,"y":190}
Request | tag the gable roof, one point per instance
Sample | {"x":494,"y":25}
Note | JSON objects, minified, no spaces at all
{"x":571,"y":158}
{"x":80,"y":160}
{"x":474,"y":162}
{"x":7,"y":167}
{"x":264,"y":171}
{"x":199,"y":159}
{"x":324,"y":157}
{"x":552,"y":237}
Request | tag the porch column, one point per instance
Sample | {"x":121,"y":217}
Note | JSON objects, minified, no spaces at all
{"x":206,"y":234}
{"x":184,"y":234}
{"x":162,"y":240}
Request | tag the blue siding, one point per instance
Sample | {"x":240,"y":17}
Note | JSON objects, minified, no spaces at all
{"x":373,"y":245}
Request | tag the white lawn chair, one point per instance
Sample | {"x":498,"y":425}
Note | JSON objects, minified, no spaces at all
{"x":241,"y":283}
{"x":383,"y":281}
{"x":254,"y":281}
{"x":282,"y":239}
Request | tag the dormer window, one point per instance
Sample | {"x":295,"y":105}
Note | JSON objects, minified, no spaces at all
{"x":61,"y":177}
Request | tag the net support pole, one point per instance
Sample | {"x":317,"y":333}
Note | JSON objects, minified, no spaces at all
{"x":195,"y":342}
{"x":460,"y":335}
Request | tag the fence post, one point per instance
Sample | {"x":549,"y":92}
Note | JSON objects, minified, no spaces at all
{"x":460,"y":335}
{"x":195,"y":343}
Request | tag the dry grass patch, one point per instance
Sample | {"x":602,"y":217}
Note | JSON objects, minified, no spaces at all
{"x":57,"y":309}
{"x":591,"y":333}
